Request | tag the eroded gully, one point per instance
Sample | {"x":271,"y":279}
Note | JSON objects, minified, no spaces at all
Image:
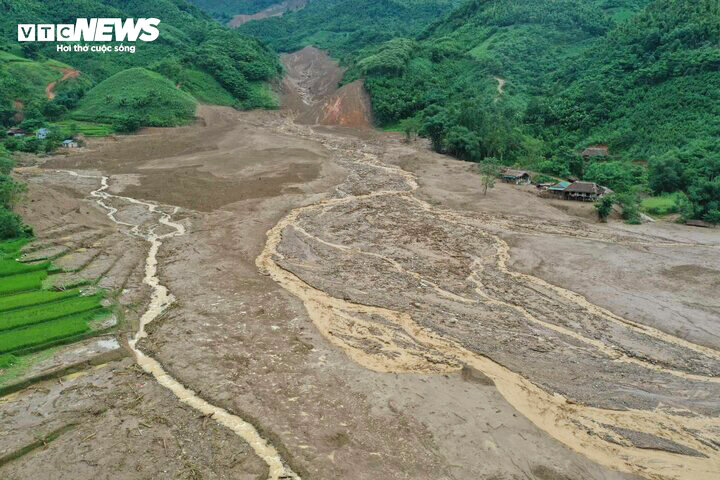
{"x":160,"y":300}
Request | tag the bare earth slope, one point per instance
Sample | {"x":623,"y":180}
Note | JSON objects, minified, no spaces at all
{"x":272,"y":11}
{"x":372,"y":315}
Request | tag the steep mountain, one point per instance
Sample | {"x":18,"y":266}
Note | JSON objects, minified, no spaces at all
{"x":651,"y":84}
{"x":651,"y":89}
{"x":345,"y":26}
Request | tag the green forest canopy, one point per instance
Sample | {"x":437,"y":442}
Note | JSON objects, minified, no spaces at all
{"x":642,"y":76}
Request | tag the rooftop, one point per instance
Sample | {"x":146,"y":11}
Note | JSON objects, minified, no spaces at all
{"x":584,"y":187}
{"x":514,"y":173}
{"x":559,"y":187}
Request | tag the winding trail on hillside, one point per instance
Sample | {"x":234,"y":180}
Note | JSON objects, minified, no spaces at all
{"x":160,"y":300}
{"x":67,"y":73}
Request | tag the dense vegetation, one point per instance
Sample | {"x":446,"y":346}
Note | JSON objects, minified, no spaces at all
{"x":642,"y":76}
{"x":346,"y":26}
{"x":204,"y":59}
{"x":225,"y":10}
{"x":11,"y":192}
{"x":150,"y":98}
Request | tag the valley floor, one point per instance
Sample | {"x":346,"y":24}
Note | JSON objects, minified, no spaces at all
{"x":366,"y":310}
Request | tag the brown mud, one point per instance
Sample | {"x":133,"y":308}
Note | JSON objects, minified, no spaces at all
{"x":369,"y":313}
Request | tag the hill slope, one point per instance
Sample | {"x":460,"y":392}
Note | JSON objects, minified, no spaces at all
{"x":209,"y":61}
{"x":153,"y":100}
{"x":534,"y":82}
{"x":346,"y":26}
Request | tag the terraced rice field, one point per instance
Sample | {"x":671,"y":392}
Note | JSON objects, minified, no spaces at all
{"x":32,"y":317}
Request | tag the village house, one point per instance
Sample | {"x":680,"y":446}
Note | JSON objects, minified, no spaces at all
{"x":42,"y":134}
{"x":518,"y":177}
{"x":69,"y":144}
{"x":16,"y":132}
{"x":558,"y":189}
{"x":596,"y":151}
{"x":583,"y":191}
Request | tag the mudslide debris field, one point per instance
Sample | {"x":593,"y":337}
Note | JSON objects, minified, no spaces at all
{"x":315,"y":299}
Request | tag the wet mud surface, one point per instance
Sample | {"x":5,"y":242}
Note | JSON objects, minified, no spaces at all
{"x":369,"y":314}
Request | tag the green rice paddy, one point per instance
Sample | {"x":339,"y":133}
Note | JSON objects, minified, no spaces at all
{"x":32,"y":318}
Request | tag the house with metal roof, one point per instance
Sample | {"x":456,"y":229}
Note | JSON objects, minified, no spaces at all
{"x":518,"y":177}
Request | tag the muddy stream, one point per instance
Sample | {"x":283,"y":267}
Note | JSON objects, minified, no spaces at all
{"x":582,"y":428}
{"x":579,"y":427}
{"x":160,"y":300}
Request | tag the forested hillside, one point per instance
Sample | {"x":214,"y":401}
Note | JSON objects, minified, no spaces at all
{"x":208,"y":61}
{"x":346,"y":26}
{"x":224,"y":10}
{"x":194,"y":60}
{"x":651,"y":89}
{"x":534,"y":82}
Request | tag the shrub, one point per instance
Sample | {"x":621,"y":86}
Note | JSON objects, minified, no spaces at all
{"x":11,"y":225}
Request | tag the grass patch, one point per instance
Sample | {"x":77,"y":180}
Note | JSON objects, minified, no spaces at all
{"x":45,"y":312}
{"x":660,"y":205}
{"x":29,"y":299}
{"x":7,"y":360}
{"x":89,"y":129}
{"x":11,"y":267}
{"x":22,"y":282}
{"x":47,"y":333}
{"x":149,"y":96}
{"x":11,"y":248}
{"x":205,"y":88}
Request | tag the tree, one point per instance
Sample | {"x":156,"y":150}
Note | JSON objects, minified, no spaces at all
{"x":630,"y":207}
{"x":11,"y":225}
{"x":10,"y":191}
{"x":620,"y":176}
{"x":604,"y":206}
{"x":489,"y":170}
{"x":410,"y":127}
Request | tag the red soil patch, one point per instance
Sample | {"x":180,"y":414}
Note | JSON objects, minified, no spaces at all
{"x":67,"y":74}
{"x":311,"y":91}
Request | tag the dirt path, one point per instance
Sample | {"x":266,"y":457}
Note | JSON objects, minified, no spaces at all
{"x":67,"y":73}
{"x":501,"y":85}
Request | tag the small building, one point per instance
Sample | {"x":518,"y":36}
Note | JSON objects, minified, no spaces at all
{"x":558,"y":188}
{"x":16,"y":132}
{"x":70,"y":144}
{"x":596,"y":151}
{"x":583,"y":191}
{"x":518,"y":177}
{"x":42,"y":134}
